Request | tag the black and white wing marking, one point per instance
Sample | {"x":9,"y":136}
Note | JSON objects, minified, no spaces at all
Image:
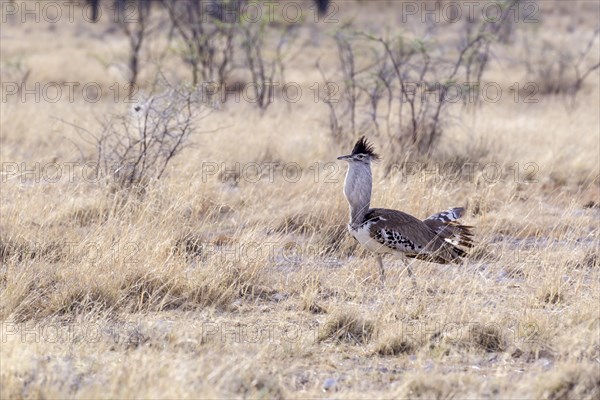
{"x":447,"y":216}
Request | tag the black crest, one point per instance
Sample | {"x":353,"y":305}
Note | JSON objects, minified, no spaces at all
{"x":364,"y":147}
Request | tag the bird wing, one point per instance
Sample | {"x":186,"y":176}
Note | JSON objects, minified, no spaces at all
{"x":391,"y":226}
{"x":403,"y":232}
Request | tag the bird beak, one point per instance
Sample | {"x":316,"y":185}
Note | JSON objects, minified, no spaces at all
{"x":344,"y":158}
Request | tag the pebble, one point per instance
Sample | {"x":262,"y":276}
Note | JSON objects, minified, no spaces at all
{"x":329,"y":384}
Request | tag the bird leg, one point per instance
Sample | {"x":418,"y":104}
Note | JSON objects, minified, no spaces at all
{"x":410,"y":272}
{"x":381,"y":270}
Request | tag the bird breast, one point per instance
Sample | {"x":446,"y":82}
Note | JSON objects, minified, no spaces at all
{"x":362,"y":234}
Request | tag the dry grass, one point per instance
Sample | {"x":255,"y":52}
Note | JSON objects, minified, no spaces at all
{"x":224,"y":285}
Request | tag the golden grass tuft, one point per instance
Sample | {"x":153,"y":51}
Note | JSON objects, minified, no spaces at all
{"x":90,"y":215}
{"x":395,"y":346}
{"x":29,"y":292}
{"x":436,"y":387}
{"x":150,"y":291}
{"x":551,"y":296}
{"x":76,"y":301}
{"x":345,"y":326}
{"x":488,"y":338}
{"x":573,"y":382}
{"x":19,"y":250}
{"x":261,"y":387}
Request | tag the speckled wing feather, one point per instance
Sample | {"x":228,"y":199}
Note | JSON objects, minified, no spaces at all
{"x":406,"y":234}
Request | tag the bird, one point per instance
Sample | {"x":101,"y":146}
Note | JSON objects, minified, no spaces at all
{"x":438,"y":238}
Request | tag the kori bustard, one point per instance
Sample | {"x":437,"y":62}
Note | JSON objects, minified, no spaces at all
{"x":438,"y":238}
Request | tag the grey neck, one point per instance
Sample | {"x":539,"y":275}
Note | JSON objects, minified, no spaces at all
{"x":357,"y":189}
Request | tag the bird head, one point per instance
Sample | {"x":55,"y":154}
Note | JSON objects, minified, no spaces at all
{"x":363,"y":152}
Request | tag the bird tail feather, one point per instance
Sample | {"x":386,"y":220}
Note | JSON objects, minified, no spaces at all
{"x":455,"y":235}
